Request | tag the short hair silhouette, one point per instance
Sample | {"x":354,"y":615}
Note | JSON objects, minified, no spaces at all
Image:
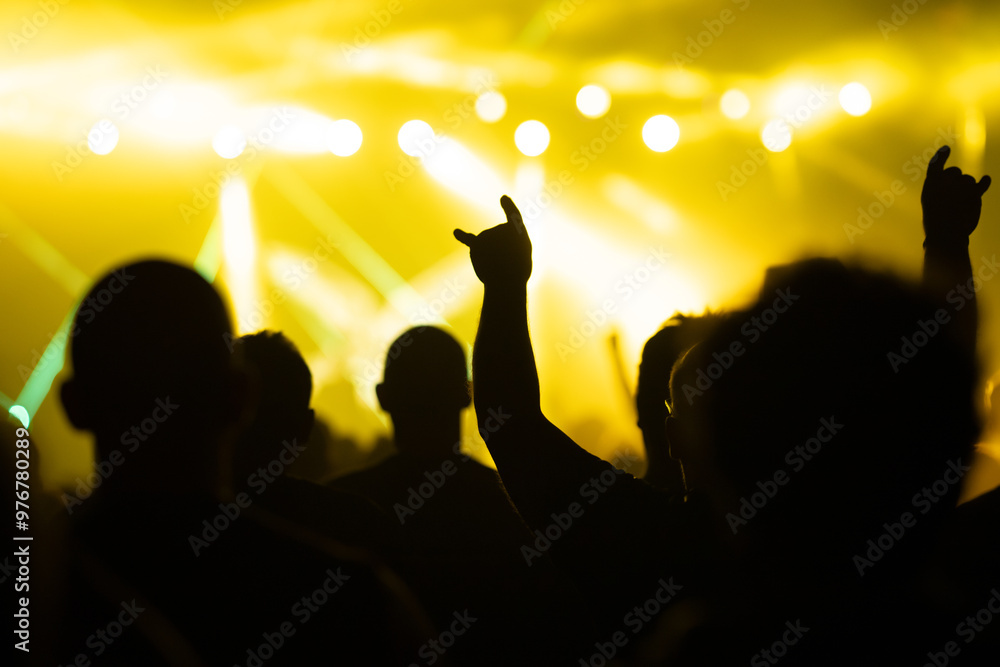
{"x":151,"y":333}
{"x":828,"y":357}
{"x":425,"y":371}
{"x":285,"y":387}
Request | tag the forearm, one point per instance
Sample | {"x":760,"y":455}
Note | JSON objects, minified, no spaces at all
{"x":948,"y":278}
{"x":503,"y":363}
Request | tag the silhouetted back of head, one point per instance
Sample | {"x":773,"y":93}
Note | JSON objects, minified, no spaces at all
{"x":425,"y":371}
{"x":283,"y":411}
{"x":826,"y":389}
{"x":149,"y":350}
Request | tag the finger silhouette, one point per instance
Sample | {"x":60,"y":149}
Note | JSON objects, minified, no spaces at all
{"x":465,"y":237}
{"x":936,"y":165}
{"x":513,"y":215}
{"x":983,"y":185}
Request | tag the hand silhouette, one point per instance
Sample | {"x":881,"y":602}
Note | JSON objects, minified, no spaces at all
{"x":952,"y":201}
{"x":501,"y":255}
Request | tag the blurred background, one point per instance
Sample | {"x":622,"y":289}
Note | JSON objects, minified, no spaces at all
{"x":313,"y":158}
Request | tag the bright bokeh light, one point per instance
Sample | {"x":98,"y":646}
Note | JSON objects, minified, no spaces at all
{"x":491,"y":106}
{"x":19,"y":413}
{"x":531,"y":137}
{"x":855,"y":99}
{"x":229,"y":142}
{"x":593,"y":101}
{"x":344,"y":138}
{"x":776,"y":135}
{"x":734,"y":104}
{"x":103,"y":137}
{"x":163,"y":104}
{"x":416,"y":138}
{"x":661,"y":133}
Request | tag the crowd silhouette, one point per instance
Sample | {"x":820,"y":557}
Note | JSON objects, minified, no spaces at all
{"x":805,"y":456}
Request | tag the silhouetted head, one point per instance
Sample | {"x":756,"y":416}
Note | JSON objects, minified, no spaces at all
{"x":815,"y":380}
{"x":152,"y":370}
{"x":426,"y":378}
{"x":283,"y":411}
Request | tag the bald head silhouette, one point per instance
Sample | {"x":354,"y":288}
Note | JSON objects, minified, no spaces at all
{"x":424,"y":389}
{"x":153,"y":370}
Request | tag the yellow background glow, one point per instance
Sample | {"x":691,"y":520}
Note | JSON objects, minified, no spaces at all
{"x":359,"y":243}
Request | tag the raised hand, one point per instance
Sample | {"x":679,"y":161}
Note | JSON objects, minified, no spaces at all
{"x":952,"y":201}
{"x":501,"y":255}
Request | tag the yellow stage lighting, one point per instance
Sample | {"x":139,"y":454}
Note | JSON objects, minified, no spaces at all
{"x":776,"y":135}
{"x":491,"y":106}
{"x":734,"y":104}
{"x":661,"y":133}
{"x":229,"y":142}
{"x":531,"y":138}
{"x":593,"y":101}
{"x":855,"y":99}
{"x":344,"y":138}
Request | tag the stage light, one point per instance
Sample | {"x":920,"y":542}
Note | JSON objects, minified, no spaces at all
{"x":855,"y":99}
{"x":163,"y":104}
{"x":661,"y":133}
{"x":776,"y":135}
{"x":229,"y":142}
{"x":416,"y":138}
{"x":491,"y":106}
{"x":239,"y":250}
{"x":734,"y":104}
{"x":344,"y":138}
{"x":531,"y":138}
{"x":103,"y":137}
{"x":19,"y":413}
{"x":593,"y":101}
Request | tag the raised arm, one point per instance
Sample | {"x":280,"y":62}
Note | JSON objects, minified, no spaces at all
{"x":541,"y":467}
{"x":952,"y":203}
{"x":503,"y":363}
